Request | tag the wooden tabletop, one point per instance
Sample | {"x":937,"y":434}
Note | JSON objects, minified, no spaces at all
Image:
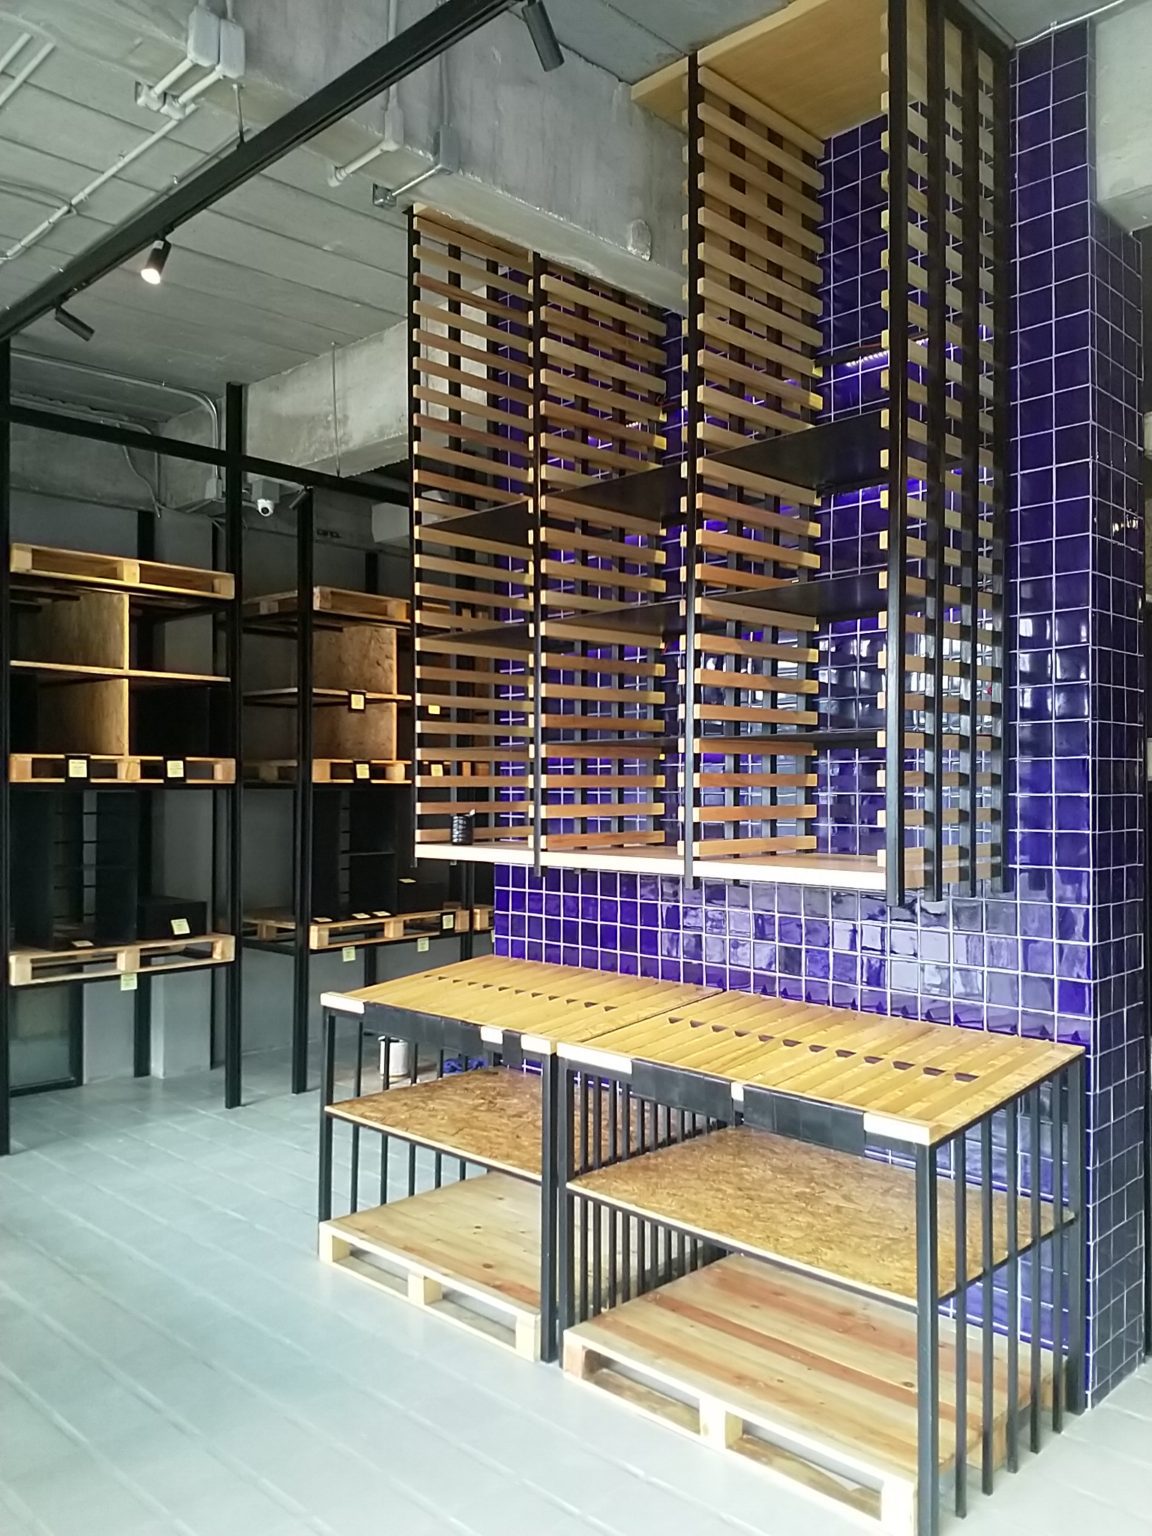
{"x":546,"y":1003}
{"x":917,"y":1081}
{"x":830,"y":1213}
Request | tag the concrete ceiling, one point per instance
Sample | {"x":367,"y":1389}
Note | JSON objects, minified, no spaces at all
{"x":288,"y":266}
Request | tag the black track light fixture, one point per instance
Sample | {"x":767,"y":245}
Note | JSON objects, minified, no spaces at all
{"x":73,"y":323}
{"x":539,"y":25}
{"x":153,"y":269}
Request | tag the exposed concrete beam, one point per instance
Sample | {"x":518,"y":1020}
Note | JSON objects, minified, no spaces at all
{"x":1124,"y":116}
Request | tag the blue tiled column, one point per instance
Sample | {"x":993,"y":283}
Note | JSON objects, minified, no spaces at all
{"x":1059,"y":955}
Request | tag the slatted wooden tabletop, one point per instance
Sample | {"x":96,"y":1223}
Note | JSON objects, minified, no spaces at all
{"x":929,"y":1080}
{"x":551,"y":1003}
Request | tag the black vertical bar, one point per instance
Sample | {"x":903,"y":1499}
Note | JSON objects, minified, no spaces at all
{"x":413,"y":449}
{"x":960,"y":1192}
{"x":936,"y":384}
{"x":468,"y":941}
{"x":386,"y":1083}
{"x":234,"y":431}
{"x":146,"y":657}
{"x":5,"y":748}
{"x":1012,"y":1162}
{"x":303,"y":806}
{"x":987,"y":1334}
{"x":413,"y":1077}
{"x":142,"y":1024}
{"x":551,"y":1196}
{"x":563,"y":1152}
{"x":536,"y":523}
{"x":1077,"y":1141}
{"x":897,"y":449}
{"x":1035,"y":1142}
{"x":1003,"y":354}
{"x":1059,"y":1254}
{"x":327,"y":1090}
{"x":357,"y":1090}
{"x":971,"y":407}
{"x":691,"y":411}
{"x":927,"y":1345}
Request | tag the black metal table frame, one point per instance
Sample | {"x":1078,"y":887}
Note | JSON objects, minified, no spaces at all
{"x":449,"y":1038}
{"x":719,"y":1101}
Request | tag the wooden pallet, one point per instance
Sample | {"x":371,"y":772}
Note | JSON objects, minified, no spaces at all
{"x":84,"y":568}
{"x":98,"y":769}
{"x":332,"y":606}
{"x":814,"y":1385}
{"x":41,"y":967}
{"x":469,"y":1251}
{"x":362,"y":929}
{"x":331,"y":770}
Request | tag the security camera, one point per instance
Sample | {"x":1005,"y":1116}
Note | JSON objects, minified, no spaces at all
{"x":265,"y":506}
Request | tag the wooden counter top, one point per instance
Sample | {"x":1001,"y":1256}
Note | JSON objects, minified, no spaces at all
{"x":831,"y":1214}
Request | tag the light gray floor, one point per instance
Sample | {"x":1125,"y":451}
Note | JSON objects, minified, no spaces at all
{"x":174,"y":1359}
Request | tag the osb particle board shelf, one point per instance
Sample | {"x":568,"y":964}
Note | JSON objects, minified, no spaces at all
{"x":490,"y":1115}
{"x":39,"y":563}
{"x":815,"y":1386}
{"x":915,"y":1081}
{"x":832,"y":1214}
{"x":549,"y":1003}
{"x":107,"y":771}
{"x":469,"y":1251}
{"x":332,"y":770}
{"x":364,"y":928}
{"x":333,"y":607}
{"x":42,"y":967}
{"x":824,"y":58}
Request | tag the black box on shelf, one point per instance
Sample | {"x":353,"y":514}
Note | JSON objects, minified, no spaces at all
{"x":171,"y":917}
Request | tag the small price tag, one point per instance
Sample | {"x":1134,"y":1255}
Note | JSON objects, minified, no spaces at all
{"x":174,"y":768}
{"x":448,"y":921}
{"x":357,"y":702}
{"x":77,"y":768}
{"x":348,"y":953}
{"x":433,"y":709}
{"x":128,"y":981}
{"x":180,"y":927}
{"x":436,"y":771}
{"x":422,"y":946}
{"x":82,"y":944}
{"x":361,"y":770}
{"x":361,"y":917}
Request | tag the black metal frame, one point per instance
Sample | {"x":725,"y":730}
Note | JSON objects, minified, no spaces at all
{"x":228,"y":622}
{"x":449,"y":1039}
{"x":679,"y":1103}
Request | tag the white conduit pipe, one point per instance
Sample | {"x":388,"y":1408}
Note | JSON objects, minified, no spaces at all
{"x":85,"y":193}
{"x":17,"y":47}
{"x":177,"y":72}
{"x":23,"y":74}
{"x":340,"y":173}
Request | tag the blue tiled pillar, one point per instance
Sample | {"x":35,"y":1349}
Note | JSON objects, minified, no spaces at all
{"x":1060,"y":954}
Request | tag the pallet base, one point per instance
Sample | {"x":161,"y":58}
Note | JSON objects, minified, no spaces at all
{"x":93,"y":771}
{"x":813,"y":1384}
{"x":469,"y":1251}
{"x":369,"y":927}
{"x":331,"y":770}
{"x":154,"y":957}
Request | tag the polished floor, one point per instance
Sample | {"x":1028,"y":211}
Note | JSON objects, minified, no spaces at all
{"x":174,"y":1359}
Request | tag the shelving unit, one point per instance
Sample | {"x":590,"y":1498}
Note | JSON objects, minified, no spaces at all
{"x":655,"y":605}
{"x":346,"y":657}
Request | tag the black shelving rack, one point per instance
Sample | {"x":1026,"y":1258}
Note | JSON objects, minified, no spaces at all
{"x":85,"y":776}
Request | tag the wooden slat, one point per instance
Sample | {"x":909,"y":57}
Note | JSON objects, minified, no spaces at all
{"x":477,"y":383}
{"x":476,"y":409}
{"x":586,"y":298}
{"x":428,"y":533}
{"x":712,"y":506}
{"x":469,"y":300}
{"x":716,"y":85}
{"x":763,"y":148}
{"x":633,"y":554}
{"x":755,"y":682}
{"x":570,"y":570}
{"x":727,"y":645}
{"x":760,"y":618}
{"x":646,"y":382}
{"x":451,"y":322}
{"x":728,"y":847}
{"x":718,"y":223}
{"x":581,"y":452}
{"x":761,"y":216}
{"x":739,"y":814}
{"x":737,"y":408}
{"x":762,"y":550}
{"x":601,"y":426}
{"x":423,"y":479}
{"x":756,"y":780}
{"x":458,"y":431}
{"x":495,"y":362}
{"x":751,"y":344}
{"x":719,"y":365}
{"x":578,"y":326}
{"x":723,"y":296}
{"x":714,"y":152}
{"x":433,"y":256}
{"x":606,"y":811}
{"x":576,"y":840}
{"x":438,"y":226}
{"x":755,"y":277}
{"x":758,"y":484}
{"x":607,"y":399}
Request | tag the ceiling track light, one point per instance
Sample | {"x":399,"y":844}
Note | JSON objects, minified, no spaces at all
{"x":153,"y":269}
{"x":548,"y":49}
{"x":73,"y":323}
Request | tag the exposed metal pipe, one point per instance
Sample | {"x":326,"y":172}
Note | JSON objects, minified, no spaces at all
{"x":416,"y":46}
{"x":386,"y":144}
{"x":25,"y":73}
{"x":16,"y":49}
{"x":205,"y":401}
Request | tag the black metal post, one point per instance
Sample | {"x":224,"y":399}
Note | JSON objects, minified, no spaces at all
{"x":234,"y":433}
{"x":327,"y":1092}
{"x":303,"y":803}
{"x":927,"y":1345}
{"x":5,"y":751}
{"x":935,"y":418}
{"x":1077,"y":1245}
{"x":551,"y":1127}
{"x":145,"y":813}
{"x":690,"y":366}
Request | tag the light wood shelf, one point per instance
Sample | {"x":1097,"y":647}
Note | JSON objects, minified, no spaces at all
{"x":815,"y":1386}
{"x":335,"y":607}
{"x":155,"y":957}
{"x":830,"y":1214}
{"x":41,"y":566}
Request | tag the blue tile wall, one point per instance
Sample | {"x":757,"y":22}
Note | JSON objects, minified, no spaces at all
{"x":1060,"y":955}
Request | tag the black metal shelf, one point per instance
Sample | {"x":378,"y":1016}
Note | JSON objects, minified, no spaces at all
{"x":828,"y":598}
{"x":510,"y":523}
{"x":662,"y":619}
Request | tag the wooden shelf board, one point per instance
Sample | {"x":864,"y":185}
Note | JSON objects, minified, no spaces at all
{"x":333,"y":607}
{"x":323,"y":696}
{"x":819,"y":63}
{"x":831,"y":1214}
{"x":475,"y":1241}
{"x":339,"y":771}
{"x":473,"y":853}
{"x":43,"y":967}
{"x":838,"y":872}
{"x":490,"y":1115}
{"x":369,"y":928}
{"x":139,"y":676}
{"x":815,"y":1385}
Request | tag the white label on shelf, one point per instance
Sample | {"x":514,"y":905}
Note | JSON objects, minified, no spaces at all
{"x":895,"y":1130}
{"x":491,"y":1034}
{"x":361,"y":770}
{"x":174,"y":768}
{"x":128,"y":981}
{"x":448,"y":921}
{"x":77,"y":768}
{"x":180,"y":926}
{"x":348,"y":953}
{"x":357,"y":702}
{"x":82,"y":944}
{"x":422,"y":946}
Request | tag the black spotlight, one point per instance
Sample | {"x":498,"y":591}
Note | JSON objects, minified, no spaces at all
{"x":547,"y":48}
{"x":73,"y":323}
{"x":153,"y":269}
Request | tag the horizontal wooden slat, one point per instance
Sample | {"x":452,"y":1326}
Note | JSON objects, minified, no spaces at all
{"x":451,"y":322}
{"x":555,"y":505}
{"x":645,"y":439}
{"x":739,"y":814}
{"x":471,"y":728}
{"x":760,"y":618}
{"x":746,"y":272}
{"x":752,"y":714}
{"x":711,"y":506}
{"x":470,"y":599}
{"x":478,"y":463}
{"x":758,"y":484}
{"x":604,"y":780}
{"x":470,"y":301}
{"x":565,"y":538}
{"x":595,"y":576}
{"x":715,"y":152}
{"x":718,"y":223}
{"x":496,"y":362}
{"x":717,"y":365}
{"x":608,"y":810}
{"x":428,"y":533}
{"x":751,"y":344}
{"x":624,"y":723}
{"x":562,"y":323}
{"x":433,"y":256}
{"x":581,"y":452}
{"x":607,"y":399}
{"x":424,"y":479}
{"x":730,"y":847}
{"x":438,"y":226}
{"x":576,"y":840}
{"x":756,"y":780}
{"x":438,"y":426}
{"x":476,"y":410}
{"x":762,"y":217}
{"x":755,"y":682}
{"x":751,"y":106}
{"x":479,"y":386}
{"x":646,"y":382}
{"x":573,"y":294}
{"x":765,"y":650}
{"x":475,"y":572}
{"x":724,"y":297}
{"x":737,"y":408}
{"x":745,"y":134}
{"x":602,"y":695}
{"x":756,"y":549}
